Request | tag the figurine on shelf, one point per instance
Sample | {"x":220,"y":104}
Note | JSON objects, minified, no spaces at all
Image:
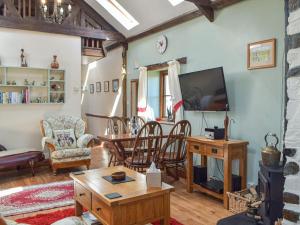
{"x":55,"y":64}
{"x":33,"y":83}
{"x":13,"y":82}
{"x":23,"y":59}
{"x":8,"y":82}
{"x":44,"y":83}
{"x":26,"y":82}
{"x":52,"y":78}
{"x":45,"y":100}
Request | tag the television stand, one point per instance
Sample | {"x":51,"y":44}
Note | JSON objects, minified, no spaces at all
{"x":219,"y":149}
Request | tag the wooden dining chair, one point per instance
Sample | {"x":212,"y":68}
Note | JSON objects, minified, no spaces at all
{"x":173,"y":153}
{"x":115,"y":126}
{"x":146,"y":147}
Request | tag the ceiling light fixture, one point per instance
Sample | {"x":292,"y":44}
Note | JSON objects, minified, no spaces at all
{"x":55,"y":11}
{"x":119,"y":13}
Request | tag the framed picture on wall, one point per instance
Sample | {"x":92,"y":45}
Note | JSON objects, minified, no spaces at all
{"x":115,"y":85}
{"x":106,"y":86}
{"x":261,"y":54}
{"x":92,"y":89}
{"x":98,"y":86}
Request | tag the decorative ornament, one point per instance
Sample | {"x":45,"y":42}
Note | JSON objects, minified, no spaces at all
{"x":23,"y":59}
{"x":55,"y":64}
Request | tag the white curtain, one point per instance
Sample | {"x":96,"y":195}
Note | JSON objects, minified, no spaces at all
{"x":175,"y":91}
{"x":144,"y":110}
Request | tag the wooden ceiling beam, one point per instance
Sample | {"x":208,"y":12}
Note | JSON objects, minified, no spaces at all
{"x":85,"y":7}
{"x":36,"y":25}
{"x":205,"y":7}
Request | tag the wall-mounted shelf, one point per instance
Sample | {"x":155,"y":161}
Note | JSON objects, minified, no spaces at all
{"x":29,"y":85}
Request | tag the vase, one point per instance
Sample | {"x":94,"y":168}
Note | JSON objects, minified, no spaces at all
{"x":54,"y":64}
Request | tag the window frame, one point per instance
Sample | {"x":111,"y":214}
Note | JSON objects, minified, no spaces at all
{"x":162,"y":96}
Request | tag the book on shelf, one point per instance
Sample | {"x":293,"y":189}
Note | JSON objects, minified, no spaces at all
{"x":14,"y":97}
{"x":89,"y":219}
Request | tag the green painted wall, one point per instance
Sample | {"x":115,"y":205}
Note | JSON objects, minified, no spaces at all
{"x":256,"y":96}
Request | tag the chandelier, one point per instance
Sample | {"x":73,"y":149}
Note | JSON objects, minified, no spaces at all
{"x":55,"y":11}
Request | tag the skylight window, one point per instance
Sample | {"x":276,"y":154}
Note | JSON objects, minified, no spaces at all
{"x":176,"y":2}
{"x":119,"y":13}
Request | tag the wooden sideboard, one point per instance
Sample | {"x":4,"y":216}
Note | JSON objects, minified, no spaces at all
{"x":219,"y":149}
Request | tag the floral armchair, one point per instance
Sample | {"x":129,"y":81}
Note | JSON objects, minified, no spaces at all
{"x":64,"y":137}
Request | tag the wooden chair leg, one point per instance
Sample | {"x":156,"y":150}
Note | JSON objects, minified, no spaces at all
{"x":31,"y":164}
{"x":110,"y":159}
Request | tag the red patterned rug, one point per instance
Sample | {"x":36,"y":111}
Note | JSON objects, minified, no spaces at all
{"x":35,"y":198}
{"x":49,"y":218}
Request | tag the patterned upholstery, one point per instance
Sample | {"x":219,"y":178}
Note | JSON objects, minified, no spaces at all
{"x":63,"y":123}
{"x":70,"y":153}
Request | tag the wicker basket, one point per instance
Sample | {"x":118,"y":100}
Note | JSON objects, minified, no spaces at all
{"x":238,"y":202}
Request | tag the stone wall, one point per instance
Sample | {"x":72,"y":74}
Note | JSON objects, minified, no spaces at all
{"x":292,"y":135}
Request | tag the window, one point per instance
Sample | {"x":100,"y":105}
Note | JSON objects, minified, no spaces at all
{"x":119,"y":13}
{"x":175,"y":2}
{"x":165,"y":96}
{"x":159,"y":98}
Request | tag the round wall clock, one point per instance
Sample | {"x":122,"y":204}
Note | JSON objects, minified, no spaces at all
{"x":162,"y":44}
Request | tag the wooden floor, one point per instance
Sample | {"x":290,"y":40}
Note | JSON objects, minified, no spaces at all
{"x":189,"y":209}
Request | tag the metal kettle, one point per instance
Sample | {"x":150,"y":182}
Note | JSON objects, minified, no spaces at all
{"x":270,"y":154}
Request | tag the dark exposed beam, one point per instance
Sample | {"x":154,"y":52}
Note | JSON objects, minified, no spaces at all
{"x":35,"y":25}
{"x":217,"y":5}
{"x":178,"y":20}
{"x":94,"y":15}
{"x":205,"y":6}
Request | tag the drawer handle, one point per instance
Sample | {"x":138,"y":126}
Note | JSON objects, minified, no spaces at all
{"x":214,"y":150}
{"x":196,"y":147}
{"x":98,"y":209}
{"x":82,"y":194}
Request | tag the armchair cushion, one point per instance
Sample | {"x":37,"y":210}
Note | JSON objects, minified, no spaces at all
{"x":84,"y":140}
{"x":65,"y":139}
{"x":71,"y":153}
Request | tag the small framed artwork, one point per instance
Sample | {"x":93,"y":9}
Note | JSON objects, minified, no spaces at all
{"x":106,"y":86}
{"x":115,"y":85}
{"x":98,"y":86}
{"x":261,"y":54}
{"x":92,"y":89}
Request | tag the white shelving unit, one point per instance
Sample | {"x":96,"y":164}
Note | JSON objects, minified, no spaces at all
{"x":28,"y":85}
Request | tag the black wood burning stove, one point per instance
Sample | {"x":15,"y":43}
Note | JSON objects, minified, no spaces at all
{"x":270,"y":186}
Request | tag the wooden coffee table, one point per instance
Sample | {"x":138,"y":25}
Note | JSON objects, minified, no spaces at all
{"x":138,"y":205}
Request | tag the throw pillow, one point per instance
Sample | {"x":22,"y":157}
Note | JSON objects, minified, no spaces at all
{"x":65,"y":139}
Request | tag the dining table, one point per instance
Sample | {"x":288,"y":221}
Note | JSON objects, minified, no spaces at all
{"x":119,"y":141}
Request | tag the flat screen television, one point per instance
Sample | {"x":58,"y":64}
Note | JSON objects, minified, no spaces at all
{"x":204,"y":90}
